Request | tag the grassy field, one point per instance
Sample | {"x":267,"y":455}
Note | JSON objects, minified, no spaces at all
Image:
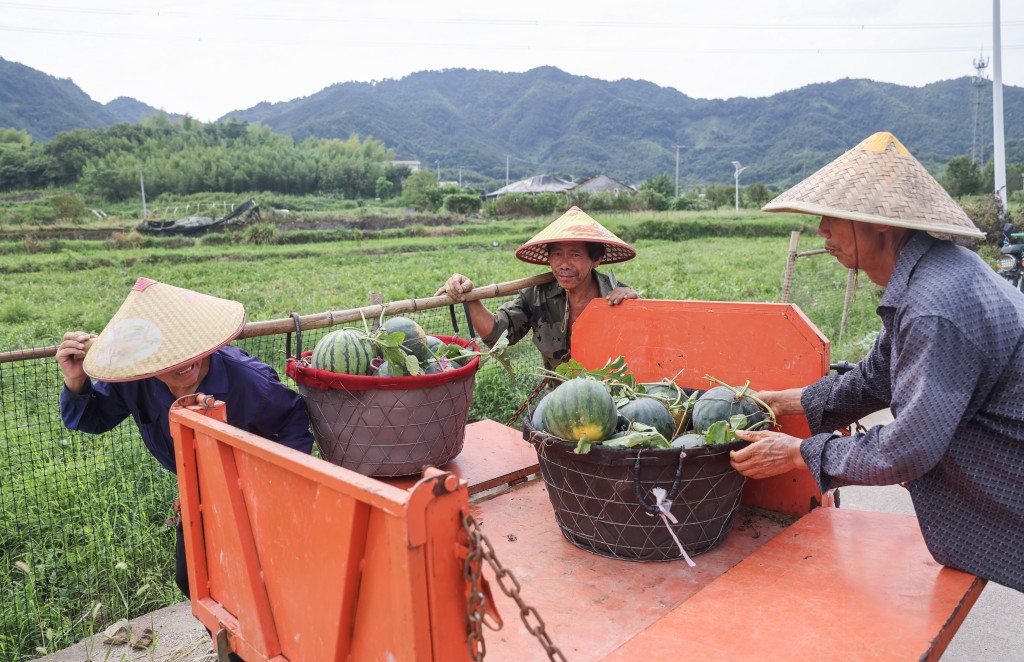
{"x":81,"y":535}
{"x":66,"y":284}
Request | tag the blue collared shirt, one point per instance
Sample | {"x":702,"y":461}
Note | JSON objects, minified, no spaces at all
{"x":257,"y":401}
{"x":949,"y":363}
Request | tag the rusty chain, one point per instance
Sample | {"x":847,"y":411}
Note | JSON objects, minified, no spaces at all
{"x":480,"y":548}
{"x":513,"y":421}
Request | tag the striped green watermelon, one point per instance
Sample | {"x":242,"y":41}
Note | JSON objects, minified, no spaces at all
{"x":415,"y":342}
{"x":346,"y":351}
{"x":580,"y":408}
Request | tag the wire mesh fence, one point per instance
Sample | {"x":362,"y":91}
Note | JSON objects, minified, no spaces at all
{"x":83,"y":533}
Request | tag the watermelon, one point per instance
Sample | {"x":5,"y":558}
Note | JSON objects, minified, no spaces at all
{"x":431,"y":367}
{"x":580,"y":408}
{"x":677,"y":398}
{"x":721,"y":404}
{"x":650,"y":411}
{"x":436,"y":345}
{"x":689,"y":440}
{"x":537,"y":420}
{"x":385,"y":369}
{"x":346,"y":351}
{"x":462,"y":352}
{"x":415,"y":342}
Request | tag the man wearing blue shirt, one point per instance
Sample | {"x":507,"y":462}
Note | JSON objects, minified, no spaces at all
{"x":162,"y":344}
{"x":948,"y":363}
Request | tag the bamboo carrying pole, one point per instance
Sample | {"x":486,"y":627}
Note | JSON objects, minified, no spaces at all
{"x":330,"y":318}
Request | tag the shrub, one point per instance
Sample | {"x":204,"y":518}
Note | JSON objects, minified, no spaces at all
{"x":461,"y":203}
{"x":123,"y":240}
{"x":260,"y":233}
{"x":989,"y":215}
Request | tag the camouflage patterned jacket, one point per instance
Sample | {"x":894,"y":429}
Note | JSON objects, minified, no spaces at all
{"x":545,"y":310}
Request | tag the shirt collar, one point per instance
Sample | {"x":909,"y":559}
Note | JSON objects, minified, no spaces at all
{"x":216,"y":380}
{"x":909,"y":256}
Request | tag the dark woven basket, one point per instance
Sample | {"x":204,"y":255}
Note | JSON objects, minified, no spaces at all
{"x":388,"y":426}
{"x":603,"y":502}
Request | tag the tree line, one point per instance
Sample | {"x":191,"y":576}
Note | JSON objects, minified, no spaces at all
{"x":191,"y":157}
{"x":188,"y":157}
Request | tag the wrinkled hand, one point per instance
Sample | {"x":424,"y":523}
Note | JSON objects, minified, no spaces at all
{"x":620,"y":294}
{"x":769,"y":454}
{"x":783,"y":403}
{"x":455,"y":287}
{"x":70,"y":353}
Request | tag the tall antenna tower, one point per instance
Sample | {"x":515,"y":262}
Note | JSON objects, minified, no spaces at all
{"x":980,"y":65}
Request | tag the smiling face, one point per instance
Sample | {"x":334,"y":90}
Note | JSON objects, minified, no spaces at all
{"x":185,"y":381}
{"x":571,"y":263}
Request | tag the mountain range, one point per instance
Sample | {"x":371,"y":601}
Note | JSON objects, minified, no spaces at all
{"x":474,"y":124}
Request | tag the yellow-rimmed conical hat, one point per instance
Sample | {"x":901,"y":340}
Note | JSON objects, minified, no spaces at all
{"x":160,"y":328}
{"x":575,"y":225}
{"x":878,"y":181}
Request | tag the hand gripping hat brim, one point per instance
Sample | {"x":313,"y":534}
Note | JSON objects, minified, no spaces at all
{"x":575,"y":225}
{"x":160,"y":328}
{"x":878,"y":181}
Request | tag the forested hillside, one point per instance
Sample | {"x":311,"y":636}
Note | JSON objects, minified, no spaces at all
{"x":470,"y":124}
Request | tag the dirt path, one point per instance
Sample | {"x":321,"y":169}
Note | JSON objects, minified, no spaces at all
{"x":177,"y":637}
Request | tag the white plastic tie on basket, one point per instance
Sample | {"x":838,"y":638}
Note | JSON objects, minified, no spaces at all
{"x":665,"y":506}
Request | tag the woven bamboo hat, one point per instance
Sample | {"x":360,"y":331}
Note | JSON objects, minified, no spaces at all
{"x":878,"y":181}
{"x":575,"y":225}
{"x":160,"y":328}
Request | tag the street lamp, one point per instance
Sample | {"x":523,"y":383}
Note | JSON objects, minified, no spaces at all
{"x":677,"y":170}
{"x":739,"y":169}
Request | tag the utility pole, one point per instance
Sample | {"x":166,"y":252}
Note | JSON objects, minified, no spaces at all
{"x":437,"y":166}
{"x":998,"y":148}
{"x":979,"y":82}
{"x":677,"y":171}
{"x":460,"y":176}
{"x":142,"y":185}
{"x":739,"y":169}
{"x":506,"y":170}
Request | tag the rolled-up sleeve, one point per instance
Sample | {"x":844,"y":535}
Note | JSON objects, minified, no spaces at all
{"x":513,"y":317}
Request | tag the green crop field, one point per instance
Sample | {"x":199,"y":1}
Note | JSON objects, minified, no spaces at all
{"x":50,"y":286}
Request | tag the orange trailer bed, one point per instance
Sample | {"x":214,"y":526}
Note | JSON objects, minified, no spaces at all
{"x":297,"y":559}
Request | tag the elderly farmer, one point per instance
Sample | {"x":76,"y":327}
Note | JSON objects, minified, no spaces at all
{"x":948,"y":362}
{"x":162,"y":344}
{"x":573,"y":246}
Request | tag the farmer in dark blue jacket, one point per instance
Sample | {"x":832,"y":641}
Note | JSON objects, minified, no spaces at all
{"x":164,"y":343}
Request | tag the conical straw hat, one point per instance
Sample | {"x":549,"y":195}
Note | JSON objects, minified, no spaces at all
{"x":575,"y":225}
{"x":160,"y":328}
{"x":878,"y":181}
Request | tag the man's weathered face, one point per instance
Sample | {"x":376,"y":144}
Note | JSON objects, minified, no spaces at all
{"x":571,"y":263}
{"x":840,"y":240}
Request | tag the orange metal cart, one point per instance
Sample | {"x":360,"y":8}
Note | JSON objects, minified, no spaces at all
{"x":293,"y":558}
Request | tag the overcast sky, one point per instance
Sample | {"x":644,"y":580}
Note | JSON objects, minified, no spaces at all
{"x":206,"y":58}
